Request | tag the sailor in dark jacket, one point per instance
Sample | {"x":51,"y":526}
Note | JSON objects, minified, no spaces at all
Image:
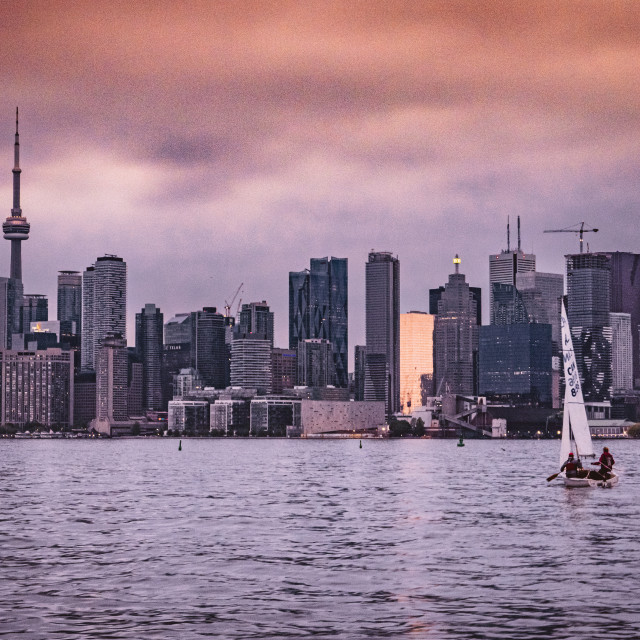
{"x":571,"y":465}
{"x":606,"y":463}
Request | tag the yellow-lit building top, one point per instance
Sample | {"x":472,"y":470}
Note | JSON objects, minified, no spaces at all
{"x":416,"y":359}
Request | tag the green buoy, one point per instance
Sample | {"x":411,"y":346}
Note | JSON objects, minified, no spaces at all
{"x":180,"y":446}
{"x":461,"y":443}
{"x":361,"y":444}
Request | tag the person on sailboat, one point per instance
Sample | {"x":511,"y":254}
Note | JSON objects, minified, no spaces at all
{"x":606,"y":463}
{"x":571,"y":465}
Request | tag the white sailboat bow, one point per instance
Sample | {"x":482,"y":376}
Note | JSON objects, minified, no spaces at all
{"x":576,"y":435}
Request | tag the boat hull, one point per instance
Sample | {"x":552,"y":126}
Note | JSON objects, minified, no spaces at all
{"x":587,"y":483}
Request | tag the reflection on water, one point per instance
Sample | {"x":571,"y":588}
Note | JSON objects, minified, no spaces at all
{"x":284,"y":538}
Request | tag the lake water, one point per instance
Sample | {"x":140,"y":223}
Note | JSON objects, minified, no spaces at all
{"x":313,"y":539}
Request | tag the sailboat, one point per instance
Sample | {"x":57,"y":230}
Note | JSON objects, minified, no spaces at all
{"x":576,"y":435}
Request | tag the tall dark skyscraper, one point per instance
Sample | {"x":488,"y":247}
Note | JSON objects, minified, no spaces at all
{"x":455,"y":337}
{"x":382,"y":363}
{"x":209,"y":352}
{"x":318,"y":309}
{"x":15,"y":227}
{"x":70,"y":297}
{"x":35,"y":308}
{"x":589,"y":303}
{"x":104,"y":305}
{"x":149,"y":326}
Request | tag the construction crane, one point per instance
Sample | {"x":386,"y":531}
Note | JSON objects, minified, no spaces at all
{"x":579,"y":231}
{"x":227,"y":305}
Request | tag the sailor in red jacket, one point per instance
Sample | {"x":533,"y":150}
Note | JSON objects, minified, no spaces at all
{"x":571,"y":465}
{"x":606,"y":463}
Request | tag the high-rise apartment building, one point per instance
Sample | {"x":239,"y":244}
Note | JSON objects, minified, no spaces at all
{"x":251,"y":362}
{"x":382,"y":365}
{"x":36,"y":386}
{"x":256,"y":318}
{"x":621,"y":352}
{"x":104,"y":305}
{"x":505,"y":266}
{"x":284,"y":369}
{"x":70,"y":297}
{"x":416,"y":359}
{"x":456,"y":337}
{"x":318,"y":309}
{"x":588,"y":308}
{"x":149,"y":328}
{"x":111,"y":383}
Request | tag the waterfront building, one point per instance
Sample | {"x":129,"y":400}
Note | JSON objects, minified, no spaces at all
{"x":188,"y":415}
{"x":505,"y":266}
{"x":588,"y":308}
{"x":111,"y":385}
{"x":272,"y":416}
{"x":36,"y":387}
{"x":382,"y":365}
{"x":256,"y":318}
{"x":416,"y":359}
{"x":318,"y":309}
{"x":319,"y":417}
{"x":621,"y":352}
{"x":360,"y":355}
{"x":149,"y":329}
{"x":455,"y":337}
{"x":251,"y":362}
{"x":515,"y":362}
{"x":134,"y":384}
{"x":315,"y":363}
{"x":104,"y":305}
{"x":284,"y":369}
{"x":84,"y":399}
{"x":230,"y":416}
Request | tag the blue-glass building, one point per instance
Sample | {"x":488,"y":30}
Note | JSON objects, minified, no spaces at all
{"x":515,"y":362}
{"x":318,"y":309}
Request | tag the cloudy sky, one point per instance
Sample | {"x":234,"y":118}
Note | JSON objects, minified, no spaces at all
{"x":213,"y":143}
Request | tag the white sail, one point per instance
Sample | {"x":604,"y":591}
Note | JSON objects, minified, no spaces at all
{"x":574,"y":425}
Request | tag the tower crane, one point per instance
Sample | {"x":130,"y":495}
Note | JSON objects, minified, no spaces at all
{"x":227,"y":305}
{"x":579,"y":231}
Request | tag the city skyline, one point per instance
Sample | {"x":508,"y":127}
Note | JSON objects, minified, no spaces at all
{"x":257,"y":141}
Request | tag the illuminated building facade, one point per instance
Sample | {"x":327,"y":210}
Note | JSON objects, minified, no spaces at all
{"x":416,"y":359}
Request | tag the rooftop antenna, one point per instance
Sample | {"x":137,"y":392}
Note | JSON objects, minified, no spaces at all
{"x":508,"y":237}
{"x":518,"y":234}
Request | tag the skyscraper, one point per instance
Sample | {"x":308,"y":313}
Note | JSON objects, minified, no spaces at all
{"x":70,"y":297}
{"x":251,"y":362}
{"x":589,"y":300}
{"x":111,"y":383}
{"x":621,"y":352}
{"x":256,"y":318}
{"x":15,"y":227}
{"x":11,"y":293}
{"x":359,"y":360}
{"x":382,"y":364}
{"x":149,"y":326}
{"x":318,"y":309}
{"x":104,"y":305}
{"x":315,"y":363}
{"x":456,"y":337}
{"x":416,"y":359}
{"x":506,"y":265}
{"x":35,"y":308}
{"x":208,"y":351}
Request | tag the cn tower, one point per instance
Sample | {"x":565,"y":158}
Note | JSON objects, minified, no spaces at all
{"x":15,"y":227}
